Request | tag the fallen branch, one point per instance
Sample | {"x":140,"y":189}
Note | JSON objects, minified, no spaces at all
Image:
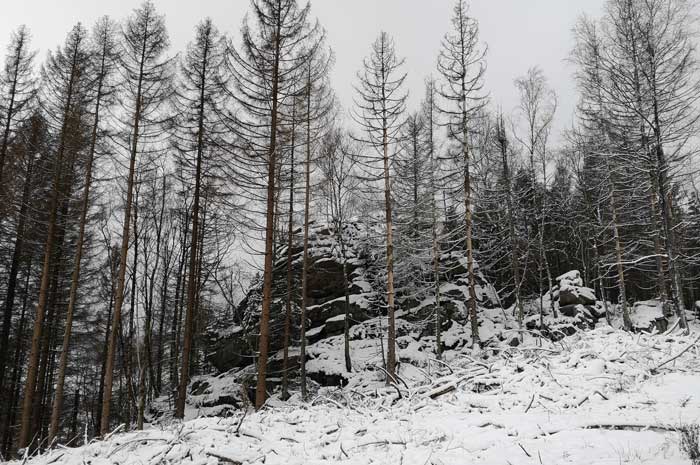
{"x":530,"y":404}
{"x":240,"y":423}
{"x":449,"y":387}
{"x":526,"y":452}
{"x":443,"y":364}
{"x":581,"y":402}
{"x":669,"y":360}
{"x":224,"y":458}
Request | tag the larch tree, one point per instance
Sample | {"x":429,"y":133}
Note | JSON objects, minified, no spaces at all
{"x":594,"y":110}
{"x":17,"y":88}
{"x":671,"y":89}
{"x":429,"y":110}
{"x":29,"y":151}
{"x":103,"y":48}
{"x":200,"y":99}
{"x":462,"y":65}
{"x":379,"y":108}
{"x":264,"y":70}
{"x":146,"y":86}
{"x":65,"y":81}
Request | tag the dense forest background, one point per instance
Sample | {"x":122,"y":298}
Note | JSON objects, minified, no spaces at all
{"x":136,"y":183}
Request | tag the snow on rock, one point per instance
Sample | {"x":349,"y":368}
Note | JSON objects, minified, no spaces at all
{"x":570,"y":278}
{"x":572,"y":292}
{"x":565,"y":309}
{"x":598,"y":397}
{"x":648,"y":315}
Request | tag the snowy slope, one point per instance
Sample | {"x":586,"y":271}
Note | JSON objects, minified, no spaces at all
{"x":598,"y":397}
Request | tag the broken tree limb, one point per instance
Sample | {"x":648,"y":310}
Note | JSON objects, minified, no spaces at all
{"x":223,"y":458}
{"x":669,"y":360}
{"x":532,"y":399}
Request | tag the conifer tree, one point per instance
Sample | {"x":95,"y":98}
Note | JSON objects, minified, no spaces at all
{"x":200,"y":100}
{"x":17,"y":88}
{"x":379,"y":110}
{"x":264,"y":71}
{"x":65,"y":79}
{"x":146,"y":86}
{"x":462,"y":66}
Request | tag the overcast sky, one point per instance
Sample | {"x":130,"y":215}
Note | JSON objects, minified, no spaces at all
{"x":519,"y":34}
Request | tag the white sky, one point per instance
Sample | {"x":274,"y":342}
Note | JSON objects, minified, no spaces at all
{"x":519,"y":33}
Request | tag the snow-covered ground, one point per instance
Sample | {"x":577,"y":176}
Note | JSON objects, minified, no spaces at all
{"x":598,"y":397}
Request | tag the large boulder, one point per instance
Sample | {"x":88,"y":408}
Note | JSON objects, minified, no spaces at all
{"x":571,"y":290}
{"x":229,"y":349}
{"x":648,"y":316}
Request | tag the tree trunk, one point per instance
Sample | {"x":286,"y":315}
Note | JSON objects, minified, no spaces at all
{"x":10,"y":414}
{"x":193,"y":275}
{"x":75,"y":278}
{"x":468,"y":227}
{"x":121,"y":275}
{"x":346,"y":290}
{"x":264,"y":341}
{"x":14,"y":268}
{"x":391,"y":333}
{"x":290,"y":240}
{"x":32,"y":367}
{"x":307,"y":216}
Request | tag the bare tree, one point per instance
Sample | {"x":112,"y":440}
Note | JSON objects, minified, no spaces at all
{"x":262,"y":71}
{"x":462,"y":66}
{"x":146,"y":87}
{"x":338,"y":165}
{"x":200,"y":100}
{"x":538,"y":105}
{"x":378,"y":110}
{"x":104,"y":48}
{"x":65,"y":77}
{"x":17,"y":88}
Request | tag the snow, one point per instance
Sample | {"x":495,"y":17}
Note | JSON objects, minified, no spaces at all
{"x":570,"y":278}
{"x":645,"y":313}
{"x":597,"y":397}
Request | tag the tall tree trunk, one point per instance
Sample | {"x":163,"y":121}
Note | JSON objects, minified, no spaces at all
{"x":264,"y":340}
{"x":627,"y":322}
{"x":391,"y":333}
{"x":346,"y":291}
{"x":75,"y":278}
{"x":468,"y":227}
{"x":193,"y":275}
{"x":305,"y":262}
{"x":179,"y":291}
{"x":290,"y":240}
{"x":14,"y":268}
{"x":10,"y":414}
{"x":515,"y":250}
{"x":32,"y":367}
{"x":121,"y":275}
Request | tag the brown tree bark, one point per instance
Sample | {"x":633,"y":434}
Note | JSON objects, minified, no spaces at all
{"x":264,"y":340}
{"x":290,"y":243}
{"x":391,"y":333}
{"x":32,"y":367}
{"x":305,"y":260}
{"x":193,"y":275}
{"x":75,"y":277}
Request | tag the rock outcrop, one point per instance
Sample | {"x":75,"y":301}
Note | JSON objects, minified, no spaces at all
{"x":576,"y":307}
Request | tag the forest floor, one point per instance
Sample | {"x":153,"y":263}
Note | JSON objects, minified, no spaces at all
{"x":597,"y":397}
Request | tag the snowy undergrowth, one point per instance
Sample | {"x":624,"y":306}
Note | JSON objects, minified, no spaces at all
{"x":598,"y":397}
